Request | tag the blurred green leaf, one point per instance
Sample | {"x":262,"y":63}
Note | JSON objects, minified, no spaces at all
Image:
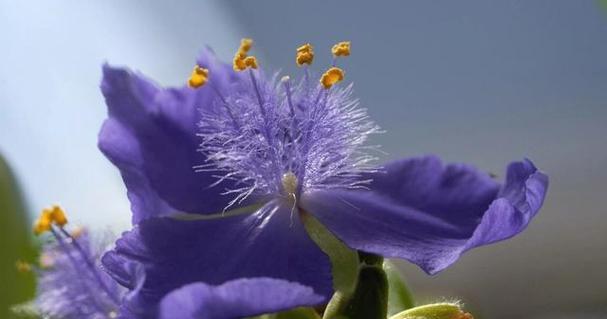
{"x":15,"y":244}
{"x":399,"y":296}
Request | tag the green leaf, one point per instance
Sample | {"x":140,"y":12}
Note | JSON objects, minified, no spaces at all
{"x":344,"y":260}
{"x":399,"y":296}
{"x":15,"y":244}
{"x":442,"y":310}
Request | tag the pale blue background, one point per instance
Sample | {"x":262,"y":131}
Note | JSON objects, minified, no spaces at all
{"x":481,"y":81}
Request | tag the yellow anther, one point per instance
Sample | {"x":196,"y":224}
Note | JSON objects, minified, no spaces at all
{"x":305,"y":55}
{"x":250,"y":62}
{"x":199,"y":77}
{"x":48,"y":217}
{"x":43,"y":223}
{"x":58,"y":215}
{"x":22,"y":266}
{"x":245,"y":45}
{"x":341,"y":49}
{"x":238,"y":63}
{"x":331,"y":77}
{"x":241,"y":59}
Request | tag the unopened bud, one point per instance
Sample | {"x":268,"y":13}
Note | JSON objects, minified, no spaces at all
{"x":442,"y":310}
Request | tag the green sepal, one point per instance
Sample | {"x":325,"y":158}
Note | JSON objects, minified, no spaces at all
{"x":369,"y":301}
{"x":399,"y":296}
{"x":442,"y":310}
{"x":344,"y":261}
{"x":16,"y":243}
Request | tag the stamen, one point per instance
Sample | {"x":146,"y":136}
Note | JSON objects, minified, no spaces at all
{"x":238,"y":62}
{"x":227,"y":106}
{"x":250,"y":62}
{"x":89,"y":263}
{"x":285,"y":80}
{"x":58,"y":215}
{"x":242,"y":60}
{"x":48,"y":217}
{"x":245,"y":45}
{"x":305,"y":55}
{"x":331,"y":77}
{"x":63,"y":246}
{"x":43,"y":223}
{"x":341,"y":49}
{"x":199,"y":77}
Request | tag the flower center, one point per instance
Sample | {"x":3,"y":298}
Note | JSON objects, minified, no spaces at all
{"x":283,"y":137}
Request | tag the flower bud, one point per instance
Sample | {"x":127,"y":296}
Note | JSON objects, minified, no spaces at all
{"x":443,"y":310}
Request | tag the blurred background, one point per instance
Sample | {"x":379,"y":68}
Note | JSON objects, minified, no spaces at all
{"x":483,"y":82}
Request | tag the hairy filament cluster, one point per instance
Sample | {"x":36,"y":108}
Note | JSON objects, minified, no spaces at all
{"x":264,"y":128}
{"x":68,"y":287}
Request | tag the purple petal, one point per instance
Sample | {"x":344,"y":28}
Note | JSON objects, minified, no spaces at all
{"x":236,"y":299}
{"x":268,"y":243}
{"x":428,"y":213}
{"x":150,"y":135}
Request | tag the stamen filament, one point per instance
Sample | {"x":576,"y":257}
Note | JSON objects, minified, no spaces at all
{"x":259,"y":98}
{"x":226,"y":105}
{"x":75,"y":264}
{"x":90,"y":265}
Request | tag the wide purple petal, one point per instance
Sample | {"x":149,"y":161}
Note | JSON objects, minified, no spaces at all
{"x":236,"y":299}
{"x":271,"y":242}
{"x":150,"y":135}
{"x":425,"y":212}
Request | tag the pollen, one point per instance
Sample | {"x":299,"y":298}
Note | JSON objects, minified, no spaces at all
{"x":289,"y":183}
{"x":199,"y":77}
{"x":341,"y":49}
{"x":305,"y":55}
{"x":242,"y":60}
{"x":331,"y":77}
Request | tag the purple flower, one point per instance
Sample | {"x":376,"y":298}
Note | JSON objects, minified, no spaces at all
{"x":245,"y":156}
{"x":71,"y":284}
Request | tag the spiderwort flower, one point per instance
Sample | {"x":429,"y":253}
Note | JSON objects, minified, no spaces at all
{"x":70,"y":281}
{"x":247,"y":156}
